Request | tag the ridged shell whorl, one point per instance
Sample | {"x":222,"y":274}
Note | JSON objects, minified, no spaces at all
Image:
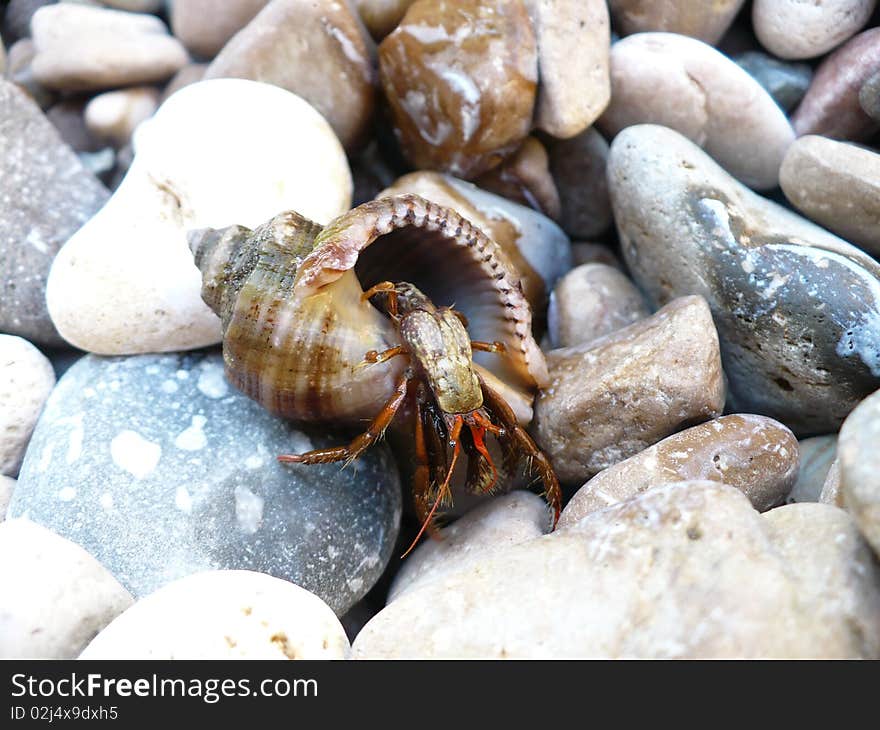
{"x":295,"y":327}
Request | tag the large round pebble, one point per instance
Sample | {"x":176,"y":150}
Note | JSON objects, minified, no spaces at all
{"x":26,"y":379}
{"x":797,"y":29}
{"x":755,"y":454}
{"x":224,"y":614}
{"x":610,"y":398}
{"x":47,"y":195}
{"x":81,"y":47}
{"x":319,"y":51}
{"x":796,"y":307}
{"x":859,"y":463}
{"x":837,"y":185}
{"x":685,"y":84}
{"x":217,"y":153}
{"x":156,"y":466}
{"x":55,"y":595}
{"x":687,"y":570}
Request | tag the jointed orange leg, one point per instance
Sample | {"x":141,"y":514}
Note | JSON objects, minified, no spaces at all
{"x":384,"y":287}
{"x":496,"y":346}
{"x":371,"y":357}
{"x":361,"y":443}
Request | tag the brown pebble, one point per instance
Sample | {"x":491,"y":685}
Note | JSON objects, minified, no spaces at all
{"x":831,"y":106}
{"x":755,"y":454}
{"x":613,"y":397}
{"x":578,"y":168}
{"x":837,"y":185}
{"x":321,"y":52}
{"x":587,"y":252}
{"x":591,"y":301}
{"x":204,"y":30}
{"x":460,"y":78}
{"x":189,"y":74}
{"x":706,"y":21}
{"x":525,"y":178}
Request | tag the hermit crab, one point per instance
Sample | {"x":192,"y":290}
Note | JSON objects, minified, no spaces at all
{"x":398,"y":308}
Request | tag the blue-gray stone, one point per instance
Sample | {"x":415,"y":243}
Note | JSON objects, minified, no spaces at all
{"x":797,"y":309}
{"x":159,"y":468}
{"x":786,"y":82}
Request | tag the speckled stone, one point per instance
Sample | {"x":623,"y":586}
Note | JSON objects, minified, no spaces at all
{"x":755,"y":454}
{"x":578,"y":168}
{"x":158,"y":468}
{"x":785,"y":82}
{"x":817,"y":455}
{"x":224,"y":614}
{"x":706,"y":21}
{"x":590,"y":301}
{"x":796,"y":308}
{"x":55,"y":596}
{"x":797,"y":29}
{"x":831,"y":106}
{"x":688,"y":86}
{"x":611,"y":398}
{"x":859,"y":463}
{"x":685,"y":570}
{"x":47,"y":195}
{"x":837,"y":185}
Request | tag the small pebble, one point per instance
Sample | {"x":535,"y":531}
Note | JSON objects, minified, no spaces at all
{"x":859,"y":464}
{"x":26,"y":379}
{"x":831,"y":492}
{"x":19,"y":70}
{"x":835,"y":184}
{"x":754,"y":454}
{"x":578,"y":167}
{"x":704,"y":21}
{"x":613,"y":397}
{"x":797,"y":29}
{"x":55,"y":595}
{"x":204,"y":30}
{"x":83,"y":48}
{"x":831,"y":106}
{"x":688,"y":86}
{"x":189,"y":74}
{"x":224,"y":614}
{"x":817,"y":456}
{"x":584,"y":252}
{"x":113,"y":115}
{"x":590,"y":301}
{"x":525,"y":178}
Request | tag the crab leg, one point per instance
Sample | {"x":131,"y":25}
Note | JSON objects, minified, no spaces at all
{"x":523,"y":442}
{"x":361,"y":443}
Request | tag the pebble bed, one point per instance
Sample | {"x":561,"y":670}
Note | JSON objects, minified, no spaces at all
{"x":692,"y":193}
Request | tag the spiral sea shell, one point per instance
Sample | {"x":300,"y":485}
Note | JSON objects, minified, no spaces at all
{"x":295,"y":325}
